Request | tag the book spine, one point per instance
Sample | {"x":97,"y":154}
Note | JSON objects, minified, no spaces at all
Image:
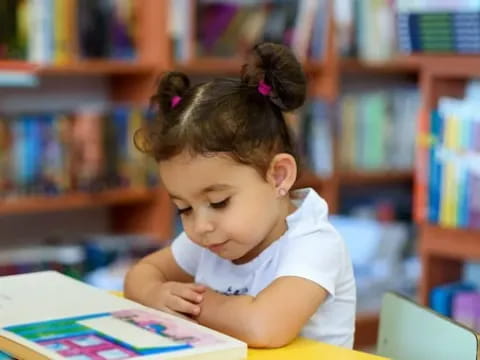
{"x":435,"y":166}
{"x":422,"y":171}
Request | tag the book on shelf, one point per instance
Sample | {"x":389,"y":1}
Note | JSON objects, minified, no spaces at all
{"x":83,"y":150}
{"x":106,"y":29}
{"x":422,"y":6}
{"x":449,"y":158}
{"x":369,"y":125}
{"x":365,"y":29}
{"x":232,"y":28}
{"x":60,"y":31}
{"x":438,"y":26}
{"x":466,"y":309}
{"x":47,"y":315}
{"x":315,"y":131}
{"x":454,"y":32}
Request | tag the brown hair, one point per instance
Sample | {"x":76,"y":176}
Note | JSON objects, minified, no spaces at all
{"x":229,"y":115}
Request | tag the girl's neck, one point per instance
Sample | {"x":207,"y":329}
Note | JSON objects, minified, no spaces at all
{"x":278,"y":229}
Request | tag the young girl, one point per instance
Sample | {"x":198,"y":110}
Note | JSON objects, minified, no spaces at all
{"x":257,"y":261}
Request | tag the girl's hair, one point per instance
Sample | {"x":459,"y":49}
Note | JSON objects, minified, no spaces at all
{"x":241,"y":117}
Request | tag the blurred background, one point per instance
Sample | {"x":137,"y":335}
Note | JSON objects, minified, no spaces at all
{"x":390,"y":133}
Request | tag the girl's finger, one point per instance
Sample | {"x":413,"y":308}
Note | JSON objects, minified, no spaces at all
{"x":199,"y":287}
{"x":187,"y":293}
{"x":181,"y":305}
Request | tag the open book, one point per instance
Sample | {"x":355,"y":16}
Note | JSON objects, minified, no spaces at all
{"x":47,"y":315}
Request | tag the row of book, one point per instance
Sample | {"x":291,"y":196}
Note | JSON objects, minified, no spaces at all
{"x":452,"y":32}
{"x":231,"y":28}
{"x":57,"y":31}
{"x":377,"y":129}
{"x":450,"y":168}
{"x":365,"y":29}
{"x":460,"y":301}
{"x":376,"y":30}
{"x":86,"y":255}
{"x":315,"y":134}
{"x":86,"y":150}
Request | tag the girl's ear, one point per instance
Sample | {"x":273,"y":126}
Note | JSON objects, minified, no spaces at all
{"x":282,"y":173}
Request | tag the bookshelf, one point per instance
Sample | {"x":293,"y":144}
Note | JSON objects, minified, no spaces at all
{"x":85,"y":67}
{"x":401,"y":65}
{"x":31,"y":204}
{"x":226,"y":66}
{"x":443,"y":250}
{"x":132,"y":210}
{"x":375,"y":177}
{"x":97,"y":68}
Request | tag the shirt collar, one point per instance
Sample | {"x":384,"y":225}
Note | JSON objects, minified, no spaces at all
{"x":311,"y":210}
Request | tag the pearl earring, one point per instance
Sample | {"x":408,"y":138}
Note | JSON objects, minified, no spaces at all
{"x":282,"y":192}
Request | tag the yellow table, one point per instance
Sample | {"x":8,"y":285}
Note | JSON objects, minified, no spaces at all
{"x":304,"y":349}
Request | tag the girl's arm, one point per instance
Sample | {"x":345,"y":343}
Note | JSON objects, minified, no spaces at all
{"x":159,"y":266}
{"x":157,"y":281}
{"x":271,"y":319}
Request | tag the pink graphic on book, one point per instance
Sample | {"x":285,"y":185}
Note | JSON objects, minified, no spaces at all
{"x":89,"y":347}
{"x":164,"y":325}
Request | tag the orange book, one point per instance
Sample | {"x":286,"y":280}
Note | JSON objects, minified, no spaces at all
{"x":420,"y":194}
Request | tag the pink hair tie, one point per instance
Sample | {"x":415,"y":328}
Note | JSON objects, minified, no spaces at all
{"x":263,"y":88}
{"x":175,"y":100}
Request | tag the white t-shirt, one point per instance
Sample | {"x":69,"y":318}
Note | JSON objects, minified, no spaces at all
{"x":311,"y":248}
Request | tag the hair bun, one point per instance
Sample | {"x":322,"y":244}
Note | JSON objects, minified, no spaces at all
{"x":171,"y":84}
{"x":279,"y":68}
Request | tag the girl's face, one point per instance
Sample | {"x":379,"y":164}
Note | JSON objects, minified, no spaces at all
{"x":225,"y":206}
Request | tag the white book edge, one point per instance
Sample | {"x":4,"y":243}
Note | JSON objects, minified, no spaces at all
{"x":14,"y":287}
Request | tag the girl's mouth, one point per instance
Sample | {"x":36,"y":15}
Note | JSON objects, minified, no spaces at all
{"x":217,"y":247}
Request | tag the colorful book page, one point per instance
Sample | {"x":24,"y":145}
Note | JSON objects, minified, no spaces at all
{"x":117,"y":335}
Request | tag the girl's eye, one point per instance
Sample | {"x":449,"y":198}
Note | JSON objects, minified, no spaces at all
{"x":221,"y":204}
{"x":184,"y":211}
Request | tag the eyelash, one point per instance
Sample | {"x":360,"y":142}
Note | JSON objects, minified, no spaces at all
{"x":221,"y":204}
{"x":183,"y":211}
{"x":218,"y":206}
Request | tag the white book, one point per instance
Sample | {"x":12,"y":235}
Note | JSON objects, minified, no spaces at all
{"x":307,"y":10}
{"x":40,"y":31}
{"x":47,"y":315}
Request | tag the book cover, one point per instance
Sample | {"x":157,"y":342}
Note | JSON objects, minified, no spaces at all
{"x":47,"y":315}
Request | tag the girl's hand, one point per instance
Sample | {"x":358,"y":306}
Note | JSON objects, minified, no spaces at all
{"x":180,"y":299}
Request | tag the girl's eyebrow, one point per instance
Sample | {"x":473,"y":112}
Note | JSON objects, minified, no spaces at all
{"x":215,"y":187}
{"x":210,"y":188}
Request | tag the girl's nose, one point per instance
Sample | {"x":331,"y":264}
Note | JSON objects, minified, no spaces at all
{"x":203,"y":224}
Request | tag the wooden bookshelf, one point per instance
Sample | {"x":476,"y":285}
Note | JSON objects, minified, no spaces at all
{"x":14,"y":65}
{"x":131,"y":210}
{"x":32,"y":204}
{"x":463,"y":244}
{"x":97,"y":67}
{"x":375,"y":177}
{"x":448,"y":65}
{"x":366,"y":325}
{"x":227,"y":66}
{"x":86,"y":67}
{"x":443,"y":252}
{"x":211,"y":66}
{"x":399,"y":65}
{"x":442,"y":64}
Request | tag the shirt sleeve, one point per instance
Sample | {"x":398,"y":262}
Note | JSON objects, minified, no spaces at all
{"x":317,"y":256}
{"x":186,"y":253}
